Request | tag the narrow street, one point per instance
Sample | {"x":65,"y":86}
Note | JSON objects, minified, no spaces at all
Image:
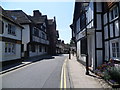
{"x":41,"y":74}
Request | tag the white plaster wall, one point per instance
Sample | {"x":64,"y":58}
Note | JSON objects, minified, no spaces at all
{"x":99,"y":26}
{"x":99,"y":7}
{"x":106,"y":50}
{"x":25,"y":36}
{"x":17,"y":31}
{"x":99,"y":57}
{"x":91,"y":50}
{"x":17,"y":55}
{"x":99,"y":39}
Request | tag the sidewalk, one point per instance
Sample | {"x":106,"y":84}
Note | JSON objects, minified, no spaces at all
{"x":80,"y":79}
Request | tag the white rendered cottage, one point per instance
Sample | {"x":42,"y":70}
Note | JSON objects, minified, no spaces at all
{"x":10,"y":37}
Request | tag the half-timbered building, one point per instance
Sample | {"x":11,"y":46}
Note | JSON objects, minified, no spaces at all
{"x":34,"y":35}
{"x":96,"y":32}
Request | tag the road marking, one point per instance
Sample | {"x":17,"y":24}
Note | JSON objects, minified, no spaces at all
{"x":61,"y":83}
{"x":63,"y":76}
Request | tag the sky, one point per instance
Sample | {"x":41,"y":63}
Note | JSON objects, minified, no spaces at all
{"x":63,"y":11}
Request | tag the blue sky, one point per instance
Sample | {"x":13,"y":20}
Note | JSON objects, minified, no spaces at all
{"x":63,"y":11}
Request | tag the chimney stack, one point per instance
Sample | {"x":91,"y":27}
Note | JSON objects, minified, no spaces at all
{"x":37,"y":13}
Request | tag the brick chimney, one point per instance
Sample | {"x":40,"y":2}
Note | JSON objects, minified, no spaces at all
{"x":37,"y":13}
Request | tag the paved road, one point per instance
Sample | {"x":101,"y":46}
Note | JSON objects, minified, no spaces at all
{"x":41,"y":74}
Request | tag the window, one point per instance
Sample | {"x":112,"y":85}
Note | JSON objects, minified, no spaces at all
{"x":36,"y":32}
{"x":45,"y":49}
{"x":115,"y":50}
{"x":10,"y":48}
{"x":11,"y":29}
{"x":33,"y":48}
{"x":43,"y":35}
{"x":114,"y":13}
{"x":111,"y":14}
{"x":83,"y":20}
{"x":6,"y":47}
{"x":83,"y":46}
{"x":2,"y":25}
{"x":40,"y":49}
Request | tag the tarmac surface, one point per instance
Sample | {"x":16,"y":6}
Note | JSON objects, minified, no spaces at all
{"x":40,"y":74}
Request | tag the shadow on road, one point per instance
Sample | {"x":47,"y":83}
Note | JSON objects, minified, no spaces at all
{"x":13,"y":63}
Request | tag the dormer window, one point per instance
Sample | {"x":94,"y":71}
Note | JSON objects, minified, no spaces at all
{"x":14,"y":17}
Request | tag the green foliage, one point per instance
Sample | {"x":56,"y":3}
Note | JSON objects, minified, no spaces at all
{"x":106,"y":75}
{"x":112,"y":73}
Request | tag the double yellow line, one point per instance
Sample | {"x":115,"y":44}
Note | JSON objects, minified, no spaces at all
{"x":63,"y":76}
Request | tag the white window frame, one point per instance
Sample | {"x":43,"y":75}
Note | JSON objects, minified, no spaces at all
{"x":11,"y":47}
{"x":115,"y":49}
{"x":11,"y":29}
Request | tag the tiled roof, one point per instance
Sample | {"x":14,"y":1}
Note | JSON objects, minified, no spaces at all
{"x":37,"y":20}
{"x":20,"y":16}
{"x":8,"y":16}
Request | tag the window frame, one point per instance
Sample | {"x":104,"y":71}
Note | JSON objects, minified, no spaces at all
{"x":10,"y":48}
{"x":33,"y":48}
{"x":11,"y":29}
{"x":112,"y":13}
{"x":115,"y":49}
{"x":40,"y":48}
